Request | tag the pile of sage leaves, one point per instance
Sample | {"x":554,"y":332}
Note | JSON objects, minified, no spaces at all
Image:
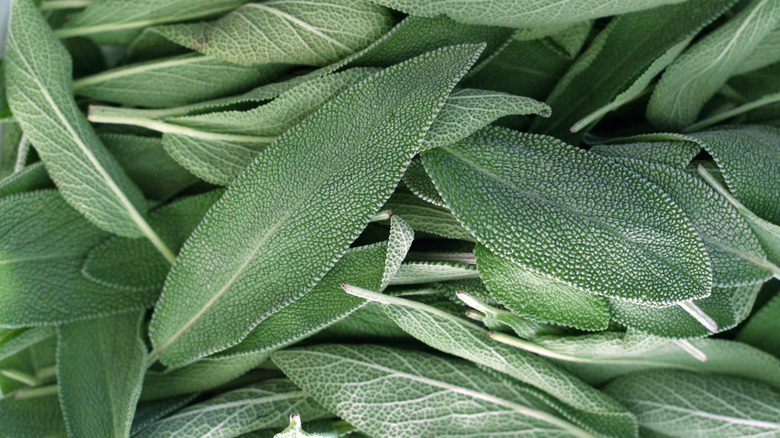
{"x":390,"y":218}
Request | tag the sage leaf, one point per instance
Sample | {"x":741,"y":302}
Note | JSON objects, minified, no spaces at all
{"x":366,"y":323}
{"x":100,"y":366}
{"x":765,"y":54}
{"x":540,"y":298}
{"x":133,"y":264}
{"x":45,"y":239}
{"x":117,"y":22}
{"x":514,"y":13}
{"x":663,"y":148}
{"x":430,"y":272}
{"x":285,"y":31}
{"x":273,"y":207}
{"x":390,"y":392}
{"x":295,"y":430}
{"x":423,"y":216}
{"x":612,"y":232}
{"x":258,"y":406}
{"x":31,"y":417}
{"x":149,"y":412}
{"x":417,"y":180}
{"x":443,"y":331}
{"x":9,"y":148}
{"x":179,"y":80}
{"x":370,"y":266}
{"x":684,"y":404}
{"x":760,"y":327}
{"x":38,"y":73}
{"x":32,"y":177}
{"x":703,"y":68}
{"x":16,"y":340}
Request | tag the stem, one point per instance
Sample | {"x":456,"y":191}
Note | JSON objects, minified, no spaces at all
{"x":36,"y":392}
{"x":766,"y":100}
{"x":157,"y":242}
{"x":699,"y":315}
{"x":46,"y":373}
{"x":467,"y":258}
{"x":382,"y":215}
{"x":64,"y":4}
{"x":21,"y":377}
{"x":690,"y":349}
{"x":21,"y":154}
{"x":168,"y":128}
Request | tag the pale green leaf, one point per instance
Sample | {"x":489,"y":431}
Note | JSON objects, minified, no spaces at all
{"x":761,"y":329}
{"x":540,"y":298}
{"x":370,"y":266}
{"x":133,"y":264}
{"x":32,"y":177}
{"x":286,"y":31}
{"x":149,"y":412}
{"x":214,"y":160}
{"x":704,"y":67}
{"x":38,"y":72}
{"x":606,"y":230}
{"x":519,"y":13}
{"x":424,"y":216}
{"x":273,"y":211}
{"x":31,"y":418}
{"x":390,"y":392}
{"x":100,"y":366}
{"x":259,"y":406}
{"x":430,"y":272}
{"x":119,"y":21}
{"x":15,"y":340}
{"x":766,"y":53}
{"x":41,"y":254}
{"x":684,"y":404}
{"x":179,"y":80}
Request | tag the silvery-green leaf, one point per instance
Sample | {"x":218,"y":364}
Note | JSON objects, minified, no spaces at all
{"x":100,"y":366}
{"x":518,"y":13}
{"x":726,"y":307}
{"x":766,"y":53}
{"x":540,"y":298}
{"x":286,"y":31}
{"x":417,"y":180}
{"x":149,"y":412}
{"x":133,"y":264}
{"x":631,"y":49}
{"x":703,"y":68}
{"x":202,"y":375}
{"x":684,"y":404}
{"x":9,"y":148}
{"x":43,"y":249}
{"x":214,"y":160}
{"x":32,"y":417}
{"x":13,"y":341}
{"x":761,"y":328}
{"x":470,"y":110}
{"x":367,"y":322}
{"x":443,"y":331}
{"x":670,"y":149}
{"x":370,"y":266}
{"x":117,"y":22}
{"x":606,"y":230}
{"x":32,"y":177}
{"x":390,"y":392}
{"x":38,"y":70}
{"x":424,"y":216}
{"x":143,"y":158}
{"x":274,"y":211}
{"x":430,"y":272}
{"x":258,"y":406}
{"x":179,"y":80}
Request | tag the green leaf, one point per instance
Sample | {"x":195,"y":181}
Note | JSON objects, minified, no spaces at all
{"x":179,"y":80}
{"x":704,"y":67}
{"x":31,"y":418}
{"x":417,"y":180}
{"x":9,"y":148}
{"x":518,"y":13}
{"x":38,"y":73}
{"x":604,"y":227}
{"x":367,"y":322}
{"x":468,"y":111}
{"x":430,"y":272}
{"x":202,"y":375}
{"x":683,"y":404}
{"x":423,"y":216}
{"x":133,"y":264}
{"x":149,"y":412}
{"x":272,"y":211}
{"x":41,"y":255}
{"x":761,"y":328}
{"x":295,"y":430}
{"x":443,"y":331}
{"x":622,"y":60}
{"x":100,"y":366}
{"x":389,"y":392}
{"x":538,"y":297}
{"x":664,"y":148}
{"x":16,"y":340}
{"x":259,"y":406}
{"x":370,"y":266}
{"x":117,"y":22}
{"x":32,"y":177}
{"x":286,"y":31}
{"x":766,"y":53}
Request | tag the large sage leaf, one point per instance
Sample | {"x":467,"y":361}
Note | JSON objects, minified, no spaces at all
{"x":259,"y":406}
{"x":760,"y":328}
{"x":149,"y":412}
{"x":32,"y":177}
{"x":44,"y":245}
{"x":424,"y":216}
{"x":38,"y":70}
{"x":286,"y":31}
{"x":100,"y":366}
{"x":704,"y":67}
{"x":518,"y":13}
{"x":31,"y":418}
{"x":390,"y":392}
{"x":684,"y":404}
{"x":266,"y":233}
{"x":605,"y":230}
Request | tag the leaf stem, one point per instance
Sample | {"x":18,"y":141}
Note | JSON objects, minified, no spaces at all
{"x":690,"y":349}
{"x":36,"y":392}
{"x":467,"y":258}
{"x":21,"y":154}
{"x":699,"y":315}
{"x":169,"y":128}
{"x":21,"y":377}
{"x":765,"y":100}
{"x":64,"y":4}
{"x":46,"y":373}
{"x":382,"y":215}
